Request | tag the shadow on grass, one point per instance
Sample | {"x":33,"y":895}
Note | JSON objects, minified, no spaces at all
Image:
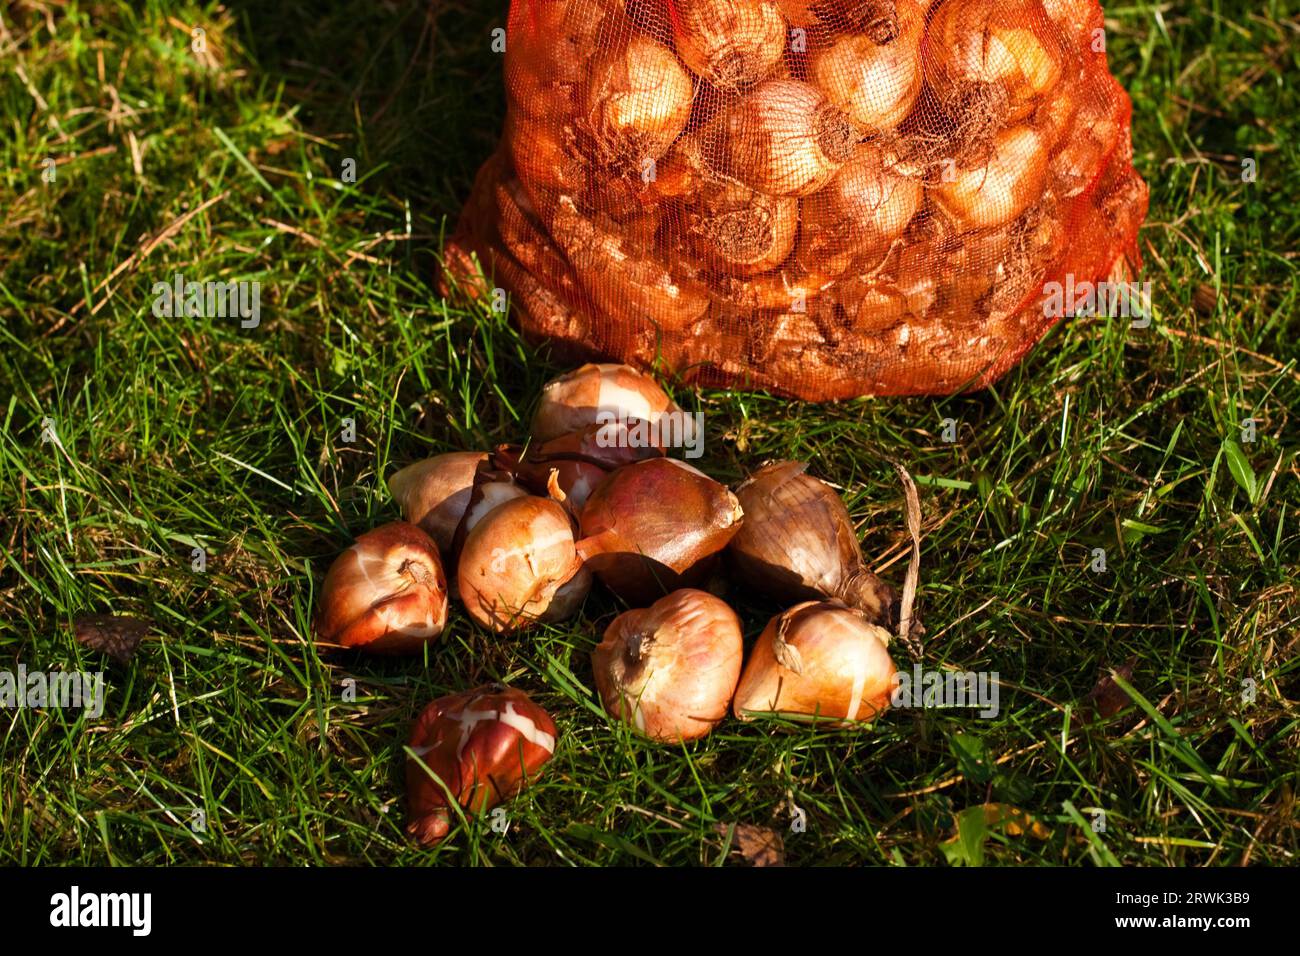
{"x":410,"y":85}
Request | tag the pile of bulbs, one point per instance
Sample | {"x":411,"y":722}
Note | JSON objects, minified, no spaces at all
{"x":528,"y":529}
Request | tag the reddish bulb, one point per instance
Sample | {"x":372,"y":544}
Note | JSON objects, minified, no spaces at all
{"x":387,"y":593}
{"x":482,"y":745}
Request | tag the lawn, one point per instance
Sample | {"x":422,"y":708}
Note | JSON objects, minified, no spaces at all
{"x":128,"y":440}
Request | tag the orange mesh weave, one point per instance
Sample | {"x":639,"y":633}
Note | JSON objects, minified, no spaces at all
{"x":821,"y":198}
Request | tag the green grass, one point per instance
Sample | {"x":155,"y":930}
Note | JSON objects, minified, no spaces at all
{"x":197,"y":432}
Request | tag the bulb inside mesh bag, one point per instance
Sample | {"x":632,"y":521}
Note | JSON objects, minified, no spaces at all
{"x":821,"y":198}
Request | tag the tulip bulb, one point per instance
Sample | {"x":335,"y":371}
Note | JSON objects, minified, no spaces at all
{"x":731,"y":43}
{"x":994,"y":192}
{"x":387,"y":593}
{"x":798,"y":543}
{"x":656,"y":526}
{"x":860,"y":212}
{"x":785,"y":139}
{"x":670,"y":669}
{"x":434,"y":493}
{"x":482,"y":745}
{"x":638,"y":100}
{"x":740,"y":231}
{"x":623,"y":275}
{"x":999,"y":55}
{"x":519,"y":566}
{"x":875,"y":76}
{"x":819,"y":659}
{"x":584,"y":397}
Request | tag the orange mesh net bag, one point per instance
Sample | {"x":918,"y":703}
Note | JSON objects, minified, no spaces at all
{"x":822,"y":198}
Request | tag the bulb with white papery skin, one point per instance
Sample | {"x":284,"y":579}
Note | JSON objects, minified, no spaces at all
{"x":492,"y":494}
{"x":669,"y":670}
{"x":875,"y":76}
{"x":482,"y":745}
{"x":731,"y":43}
{"x":1000,"y":55}
{"x":860,"y":212}
{"x":785,"y":138}
{"x":597,"y":394}
{"x":386,"y":594}
{"x":520,"y":565}
{"x":638,"y":99}
{"x":999,"y":189}
{"x":820,"y":659}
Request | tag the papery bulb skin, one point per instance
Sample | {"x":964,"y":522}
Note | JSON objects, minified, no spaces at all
{"x":656,"y":526}
{"x":638,"y":100}
{"x":798,"y":543}
{"x":614,"y":444}
{"x":492,"y":488}
{"x":1003,"y":54}
{"x":387,"y":594}
{"x":731,"y":43}
{"x":670,"y":670}
{"x":434,"y":493}
{"x":576,"y":400}
{"x":785,"y":139}
{"x":516,"y":563}
{"x":995,"y":191}
{"x":491,"y":494}
{"x":819,"y":659}
{"x":875,"y":76}
{"x":484,"y":744}
{"x":569,"y":468}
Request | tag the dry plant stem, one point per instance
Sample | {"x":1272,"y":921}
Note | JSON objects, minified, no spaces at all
{"x":914,"y":566}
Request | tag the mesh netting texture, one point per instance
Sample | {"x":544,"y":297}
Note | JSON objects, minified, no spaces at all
{"x":822,"y":198}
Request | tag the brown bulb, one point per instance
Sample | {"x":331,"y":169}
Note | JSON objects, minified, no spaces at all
{"x":482,"y":745}
{"x":819,"y":659}
{"x":574,"y":401}
{"x":798,"y":543}
{"x":519,"y":566}
{"x":656,"y":526}
{"x":387,"y":593}
{"x":570,"y":467}
{"x":669,"y":670}
{"x":434,"y":493}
